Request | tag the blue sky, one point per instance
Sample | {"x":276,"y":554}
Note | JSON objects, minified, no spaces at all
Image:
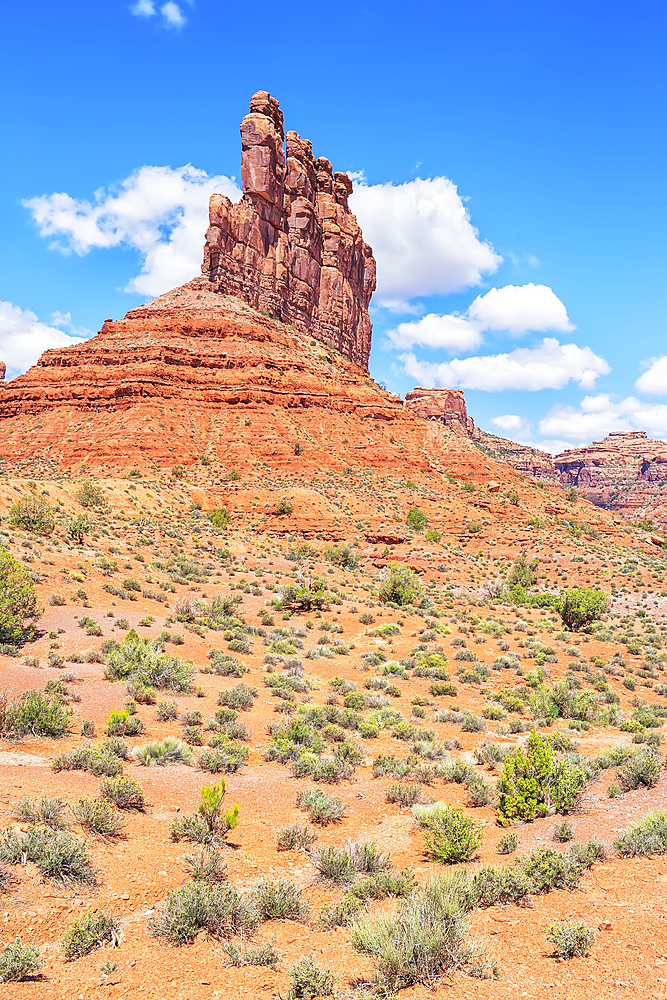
{"x":510,"y":159}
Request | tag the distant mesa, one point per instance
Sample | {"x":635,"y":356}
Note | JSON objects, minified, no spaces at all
{"x":625,"y":472}
{"x":291,"y":247}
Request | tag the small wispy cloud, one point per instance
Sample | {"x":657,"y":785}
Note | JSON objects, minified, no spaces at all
{"x":170,"y":13}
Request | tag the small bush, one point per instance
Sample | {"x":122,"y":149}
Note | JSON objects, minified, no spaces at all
{"x":646,"y":838}
{"x":570,"y":938}
{"x":261,"y":954}
{"x":322,"y":808}
{"x":207,"y":866}
{"x":643,"y":769}
{"x":280,"y":900}
{"x":402,"y":794}
{"x":166,"y":710}
{"x":125,"y":793}
{"x":295,"y":837}
{"x":165,"y":752}
{"x":334,"y":864}
{"x":59,"y":856}
{"x":37,"y":713}
{"x":424,"y":938}
{"x":449,"y":835}
{"x":98,"y":817}
{"x":226,"y":758}
{"x":508,"y":843}
{"x":18,"y":961}
{"x":33,"y":513}
{"x":47,"y":811}
{"x":563,"y":832}
{"x":402,"y":586}
{"x":309,"y":981}
{"x":217,"y":909}
{"x":87,"y":932}
{"x":284,"y":507}
{"x":416,"y":519}
{"x":580,"y":608}
{"x":241,"y":696}
{"x":211,"y":823}
{"x":341,"y":913}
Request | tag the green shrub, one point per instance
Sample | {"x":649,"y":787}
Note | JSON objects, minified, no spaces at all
{"x":211,"y":823}
{"x":89,"y":494}
{"x":33,"y":513}
{"x":79,"y":526}
{"x":219,"y":518}
{"x":284,"y":507}
{"x":261,"y":954}
{"x":416,"y":519}
{"x":581,"y":607}
{"x":36,"y":713}
{"x":642,"y":769}
{"x":18,"y":961}
{"x":341,"y":555}
{"x":59,"y":856}
{"x":433,"y":535}
{"x":523,"y":572}
{"x":280,"y":900}
{"x":647,"y":837}
{"x":98,"y":760}
{"x":402,"y":586}
{"x":87,"y":932}
{"x":217,"y":909}
{"x":241,"y":696}
{"x":322,"y":808}
{"x":125,"y":793}
{"x":142,"y":663}
{"x":309,"y":981}
{"x":225,"y":758}
{"x":47,"y":811}
{"x":508,"y":843}
{"x":207,"y":866}
{"x":402,"y":794}
{"x":123,"y":722}
{"x":424,"y":938}
{"x":311,"y":597}
{"x":98,"y":816}
{"x":449,"y":835}
{"x":563,"y":832}
{"x":570,"y":938}
{"x":341,"y":913}
{"x":532,"y":780}
{"x":19,"y":606}
{"x":295,"y":837}
{"x":162,"y":753}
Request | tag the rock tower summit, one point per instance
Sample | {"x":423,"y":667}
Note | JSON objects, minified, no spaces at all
{"x":291,"y":247}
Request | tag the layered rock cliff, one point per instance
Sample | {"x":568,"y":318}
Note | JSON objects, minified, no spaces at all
{"x":448,"y":407}
{"x":291,"y":247}
{"x":626,"y":471}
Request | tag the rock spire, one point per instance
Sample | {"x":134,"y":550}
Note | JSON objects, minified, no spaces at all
{"x":291,"y":247}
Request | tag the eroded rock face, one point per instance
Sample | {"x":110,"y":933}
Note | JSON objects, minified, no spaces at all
{"x":291,"y":247}
{"x":448,"y":407}
{"x":625,"y":471}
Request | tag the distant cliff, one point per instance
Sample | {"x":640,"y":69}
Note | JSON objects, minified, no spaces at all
{"x":626,"y":472}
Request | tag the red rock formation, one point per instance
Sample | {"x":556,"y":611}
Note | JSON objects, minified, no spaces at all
{"x":448,"y":407}
{"x":291,"y":247}
{"x":627,"y":471}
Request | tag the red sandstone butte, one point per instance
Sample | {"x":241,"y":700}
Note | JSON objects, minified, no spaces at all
{"x":291,"y":247}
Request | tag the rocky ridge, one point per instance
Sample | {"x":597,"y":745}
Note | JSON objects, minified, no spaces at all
{"x":291,"y":247}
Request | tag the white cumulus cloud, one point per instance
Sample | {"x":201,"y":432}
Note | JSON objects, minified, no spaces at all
{"x":422,"y":238}
{"x":515,"y":308}
{"x":452,"y":332}
{"x":598,"y":415}
{"x":654,"y":379}
{"x":159,"y":211}
{"x":23,"y":338}
{"x":548,"y":365}
{"x":509,"y":422}
{"x":172,"y":15}
{"x":520,"y":308}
